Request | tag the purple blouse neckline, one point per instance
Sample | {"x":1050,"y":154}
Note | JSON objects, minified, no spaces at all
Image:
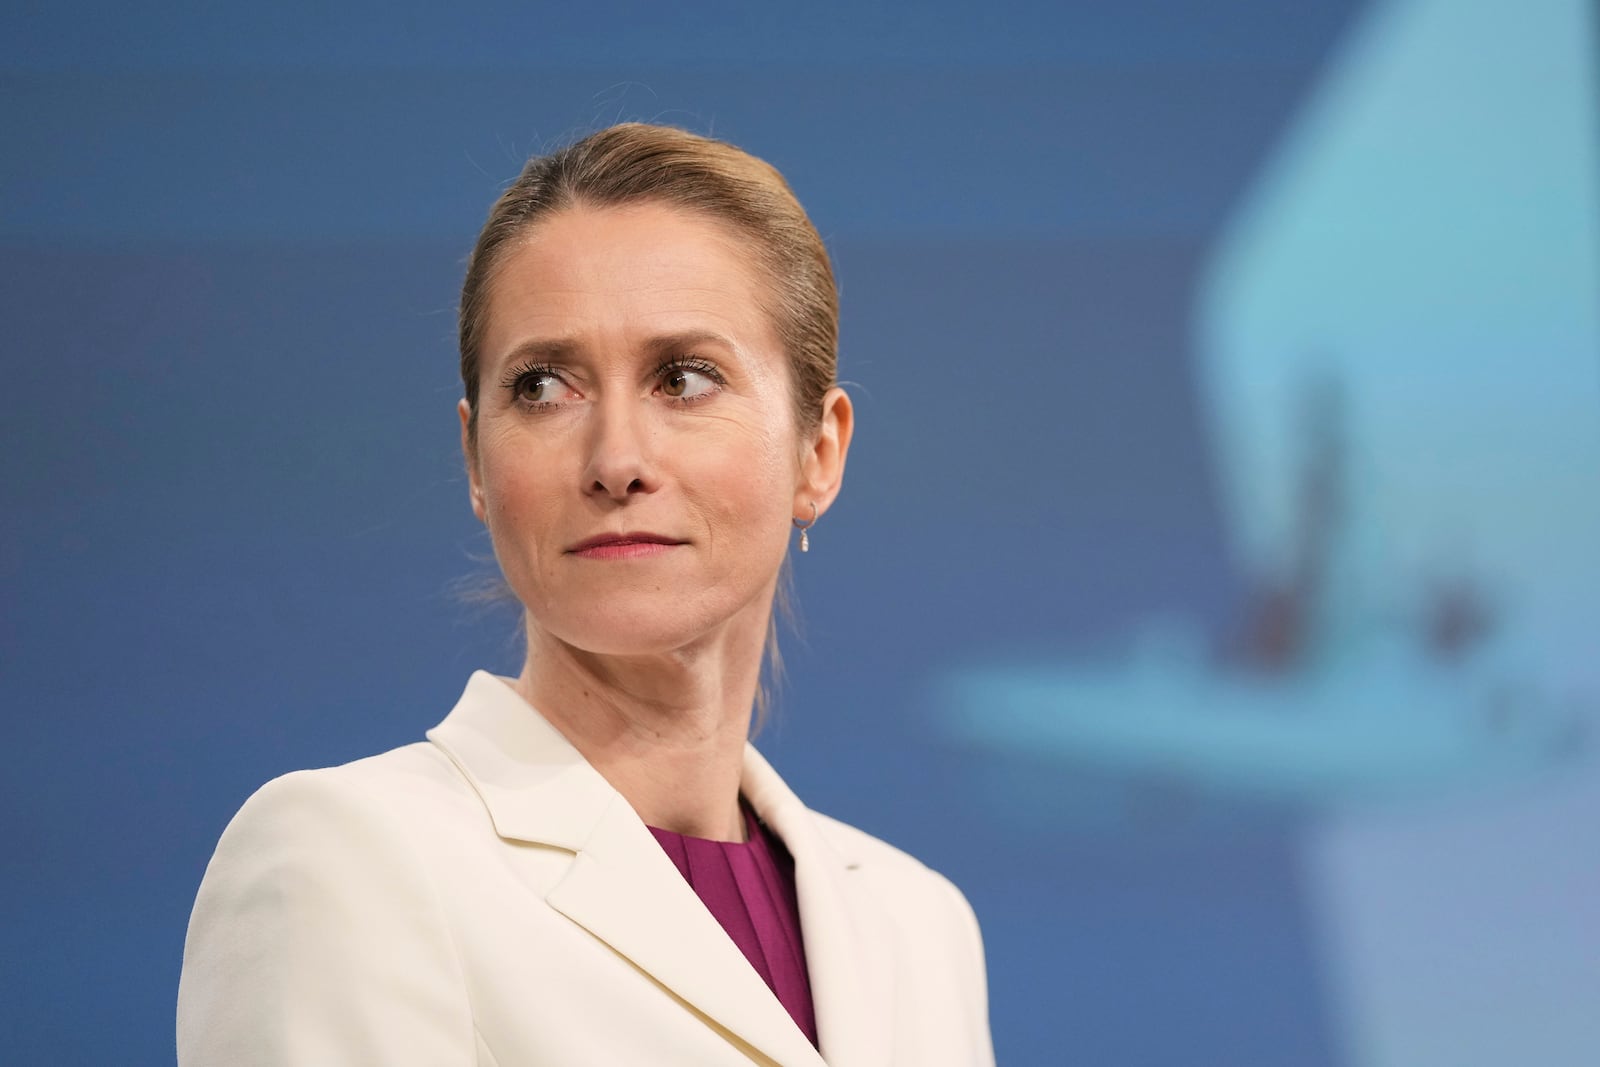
{"x":749,"y":887}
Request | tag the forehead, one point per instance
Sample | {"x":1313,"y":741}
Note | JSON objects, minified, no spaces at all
{"x":634,"y":268}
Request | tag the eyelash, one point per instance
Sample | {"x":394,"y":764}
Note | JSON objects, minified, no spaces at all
{"x":517,"y":375}
{"x":691,"y":363}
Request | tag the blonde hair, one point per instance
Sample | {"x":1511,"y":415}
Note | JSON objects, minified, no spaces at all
{"x":636,"y":162}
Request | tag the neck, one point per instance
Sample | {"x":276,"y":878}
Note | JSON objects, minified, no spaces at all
{"x":666,"y":730}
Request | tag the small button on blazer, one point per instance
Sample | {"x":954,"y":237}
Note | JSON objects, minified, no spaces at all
{"x":485,"y":897}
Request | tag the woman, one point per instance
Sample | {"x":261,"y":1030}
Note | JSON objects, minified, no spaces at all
{"x":588,"y":863}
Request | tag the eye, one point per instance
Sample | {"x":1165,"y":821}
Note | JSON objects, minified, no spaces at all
{"x":536,"y":386}
{"x":689,"y":379}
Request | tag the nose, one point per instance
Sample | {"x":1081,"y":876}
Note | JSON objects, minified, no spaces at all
{"x":619,"y":464}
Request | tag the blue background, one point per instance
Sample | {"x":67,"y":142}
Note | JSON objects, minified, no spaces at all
{"x":235,"y":519}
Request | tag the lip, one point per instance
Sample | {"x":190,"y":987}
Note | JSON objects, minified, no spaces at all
{"x":630,"y":545}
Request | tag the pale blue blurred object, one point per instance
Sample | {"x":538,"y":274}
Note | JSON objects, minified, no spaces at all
{"x":1409,"y":298}
{"x":1386,"y":728}
{"x":1398,"y":347}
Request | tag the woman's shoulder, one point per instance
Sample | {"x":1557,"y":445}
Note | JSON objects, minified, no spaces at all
{"x":292,"y":954}
{"x":927,"y":920}
{"x":366,"y":798}
{"x":890,"y":869}
{"x":399,"y":770}
{"x":856,"y":846}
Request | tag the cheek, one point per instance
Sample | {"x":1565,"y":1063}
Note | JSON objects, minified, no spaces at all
{"x":518,"y":504}
{"x":751,"y":490}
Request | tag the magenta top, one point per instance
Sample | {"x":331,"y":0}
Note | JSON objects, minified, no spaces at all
{"x":749,"y":887}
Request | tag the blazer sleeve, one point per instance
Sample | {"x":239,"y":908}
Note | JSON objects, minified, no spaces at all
{"x":975,"y":1002}
{"x":317,"y":938}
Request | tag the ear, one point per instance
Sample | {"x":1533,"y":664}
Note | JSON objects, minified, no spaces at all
{"x":822,"y":463}
{"x":470,"y":453}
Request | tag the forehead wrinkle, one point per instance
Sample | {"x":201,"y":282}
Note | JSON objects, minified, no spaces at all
{"x":582,"y":285}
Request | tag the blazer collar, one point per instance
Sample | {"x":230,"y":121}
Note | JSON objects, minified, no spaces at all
{"x":848,"y":954}
{"x":623,"y":888}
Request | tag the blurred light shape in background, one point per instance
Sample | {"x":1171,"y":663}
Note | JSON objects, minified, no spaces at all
{"x":1428,"y":245}
{"x":1398,"y":345}
{"x":1405,"y":414}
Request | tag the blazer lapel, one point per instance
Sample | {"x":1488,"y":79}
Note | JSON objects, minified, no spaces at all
{"x":848,"y":955}
{"x":623,"y":889}
{"x":620,"y":886}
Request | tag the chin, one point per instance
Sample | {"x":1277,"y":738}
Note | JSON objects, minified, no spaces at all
{"x":633,"y":627}
{"x":654,"y":623}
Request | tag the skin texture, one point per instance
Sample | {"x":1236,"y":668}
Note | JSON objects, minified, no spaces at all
{"x":633,"y":383}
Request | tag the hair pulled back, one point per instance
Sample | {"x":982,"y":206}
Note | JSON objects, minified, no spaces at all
{"x":637,"y":162}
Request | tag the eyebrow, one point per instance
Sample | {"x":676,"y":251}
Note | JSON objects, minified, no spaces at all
{"x":558,"y":349}
{"x":540,"y":350}
{"x":670,"y":342}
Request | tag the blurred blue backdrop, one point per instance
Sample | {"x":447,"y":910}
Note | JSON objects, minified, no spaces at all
{"x":1213,"y":595}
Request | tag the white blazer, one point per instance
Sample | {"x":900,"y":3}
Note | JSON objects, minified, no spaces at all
{"x":486,"y":897}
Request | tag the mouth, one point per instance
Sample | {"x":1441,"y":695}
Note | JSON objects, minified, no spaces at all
{"x":623,"y":546}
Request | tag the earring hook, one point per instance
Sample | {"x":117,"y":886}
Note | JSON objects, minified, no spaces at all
{"x":805,"y":539}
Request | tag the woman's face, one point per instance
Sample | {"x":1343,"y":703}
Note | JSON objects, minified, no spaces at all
{"x":636,"y":456}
